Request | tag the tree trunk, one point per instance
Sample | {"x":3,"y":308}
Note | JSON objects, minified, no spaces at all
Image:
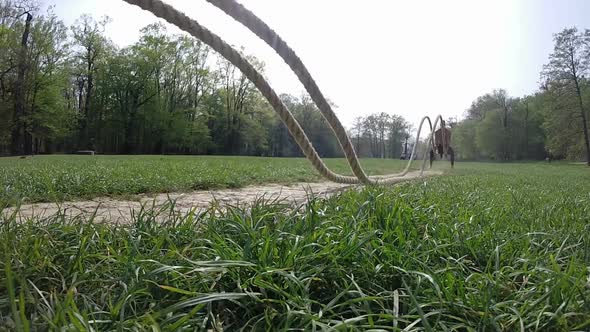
{"x":526,"y":132}
{"x":19,"y":131}
{"x":584,"y":122}
{"x":90,"y":59}
{"x":585,"y":128}
{"x":586,"y":140}
{"x":87,"y":111}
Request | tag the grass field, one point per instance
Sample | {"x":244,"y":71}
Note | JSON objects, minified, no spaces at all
{"x":488,"y":247}
{"x":57,"y":178}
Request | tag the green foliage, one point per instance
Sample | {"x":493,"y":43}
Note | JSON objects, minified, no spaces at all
{"x":170,"y":94}
{"x":163,"y":94}
{"x":488,"y":248}
{"x":490,"y":136}
{"x":381,"y":135}
{"x":46,"y":116}
{"x":552,"y":122}
{"x":464,"y":140}
{"x":567,"y":87}
{"x":315,"y":126}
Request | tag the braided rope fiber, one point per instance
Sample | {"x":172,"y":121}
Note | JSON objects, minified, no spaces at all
{"x":268,"y":35}
{"x":257,"y":26}
{"x":247,"y":18}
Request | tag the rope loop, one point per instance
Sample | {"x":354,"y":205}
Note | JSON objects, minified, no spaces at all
{"x":263,"y":31}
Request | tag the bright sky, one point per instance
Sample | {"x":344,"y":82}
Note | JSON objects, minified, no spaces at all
{"x":411,"y":57}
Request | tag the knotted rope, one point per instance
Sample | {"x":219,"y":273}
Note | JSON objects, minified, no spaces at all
{"x":252,"y":22}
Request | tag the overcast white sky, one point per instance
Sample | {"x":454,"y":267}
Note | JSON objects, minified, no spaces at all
{"x":412,"y":57}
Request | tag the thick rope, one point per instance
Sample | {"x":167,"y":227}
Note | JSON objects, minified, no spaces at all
{"x":241,"y":14}
{"x":430,"y":142}
{"x":185,"y":23}
{"x":264,"y":32}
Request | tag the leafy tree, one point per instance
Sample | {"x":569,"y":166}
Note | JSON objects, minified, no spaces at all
{"x":398,"y":134}
{"x":527,"y":135}
{"x":564,"y":77}
{"x":463,"y":140}
{"x":502,"y":128}
{"x":90,"y":46}
{"x":488,"y":138}
{"x":50,"y":118}
{"x":21,"y":132}
{"x":357,"y":130}
{"x":67,"y":89}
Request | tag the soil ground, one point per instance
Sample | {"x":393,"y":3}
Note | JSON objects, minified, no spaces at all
{"x":122,"y":211}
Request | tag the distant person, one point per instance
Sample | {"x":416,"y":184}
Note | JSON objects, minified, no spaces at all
{"x":442,"y":144}
{"x":442,"y":138}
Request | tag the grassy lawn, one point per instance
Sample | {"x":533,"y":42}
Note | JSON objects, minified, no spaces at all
{"x":488,"y":247}
{"x":57,"y":178}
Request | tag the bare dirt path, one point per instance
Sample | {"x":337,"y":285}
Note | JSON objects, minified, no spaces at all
{"x":113,"y":210}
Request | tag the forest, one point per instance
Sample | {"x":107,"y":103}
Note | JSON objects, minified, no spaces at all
{"x":65,"y":89}
{"x":549,"y":123}
{"x":69,"y":88}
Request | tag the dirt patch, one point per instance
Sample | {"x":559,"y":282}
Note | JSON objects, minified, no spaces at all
{"x":112,"y":210}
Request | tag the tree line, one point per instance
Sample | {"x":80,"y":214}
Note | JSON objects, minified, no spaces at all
{"x":381,"y":135}
{"x":65,"y":89}
{"x":550,"y":123}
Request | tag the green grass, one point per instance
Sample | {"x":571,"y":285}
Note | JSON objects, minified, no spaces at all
{"x":58,"y":178}
{"x":489,"y":247}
